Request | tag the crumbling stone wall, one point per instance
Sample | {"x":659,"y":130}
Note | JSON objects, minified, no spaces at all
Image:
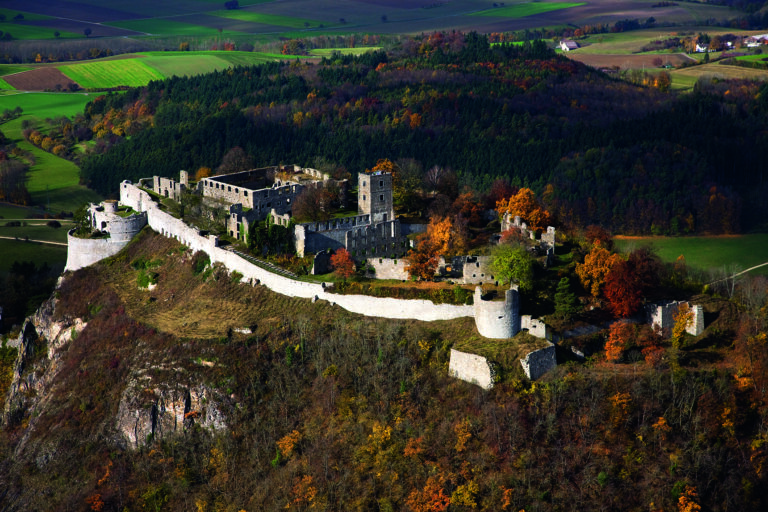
{"x":663,"y":316}
{"x":471,"y":368}
{"x":356,"y":234}
{"x":539,"y":362}
{"x":388,"y":268}
{"x":477,"y":270}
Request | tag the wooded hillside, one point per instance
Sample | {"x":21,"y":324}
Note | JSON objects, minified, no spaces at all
{"x":633,"y":159}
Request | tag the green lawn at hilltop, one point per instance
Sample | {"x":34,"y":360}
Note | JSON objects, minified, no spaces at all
{"x":111,"y":73}
{"x":266,"y":19}
{"x":52,"y":181}
{"x":526,"y":9}
{"x":705,"y":252}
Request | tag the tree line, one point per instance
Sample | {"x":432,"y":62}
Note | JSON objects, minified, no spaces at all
{"x":513,"y":112}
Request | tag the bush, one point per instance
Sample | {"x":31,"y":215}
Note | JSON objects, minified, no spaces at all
{"x":53,"y":224}
{"x":200,"y":260}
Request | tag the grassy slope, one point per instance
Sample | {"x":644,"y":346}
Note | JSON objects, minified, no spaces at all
{"x":706,"y":252}
{"x":131,"y":72}
{"x":52,"y":180}
{"x":170,"y":27}
{"x":266,"y":19}
{"x":526,"y":9}
{"x":18,"y":250}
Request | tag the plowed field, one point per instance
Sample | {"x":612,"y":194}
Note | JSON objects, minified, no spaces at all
{"x":40,"y":79}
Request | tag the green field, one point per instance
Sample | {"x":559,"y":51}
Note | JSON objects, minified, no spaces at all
{"x":17,"y":250}
{"x":705,"y":252}
{"x":154,"y":26}
{"x":111,"y":73}
{"x":11,"y":211}
{"x":527,"y":9}
{"x":9,"y":69}
{"x":266,"y":19}
{"x":52,"y":180}
{"x":195,"y":63}
{"x":37,"y":230}
{"x":5,"y":86}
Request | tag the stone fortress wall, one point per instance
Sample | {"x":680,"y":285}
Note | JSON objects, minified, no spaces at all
{"x":170,"y":226}
{"x":82,"y":252}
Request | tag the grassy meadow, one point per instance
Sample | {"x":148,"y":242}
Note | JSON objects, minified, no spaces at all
{"x":167,"y":27}
{"x":526,"y":9}
{"x":111,"y":73}
{"x":52,"y":181}
{"x":267,"y":19}
{"x":705,"y":252}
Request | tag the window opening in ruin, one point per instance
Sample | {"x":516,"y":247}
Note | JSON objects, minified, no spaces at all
{"x":381,"y":197}
{"x":229,"y":189}
{"x":363,"y":197}
{"x":381,"y":183}
{"x":245,"y":193}
{"x":385,"y":217}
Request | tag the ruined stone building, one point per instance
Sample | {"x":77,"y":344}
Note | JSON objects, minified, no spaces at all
{"x":374,"y":232}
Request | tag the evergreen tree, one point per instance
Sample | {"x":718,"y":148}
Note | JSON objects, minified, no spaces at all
{"x":566,"y":303}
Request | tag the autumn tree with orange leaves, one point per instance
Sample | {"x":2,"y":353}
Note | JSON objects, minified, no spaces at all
{"x":525,"y":205}
{"x":597,"y":263}
{"x":444,"y":237}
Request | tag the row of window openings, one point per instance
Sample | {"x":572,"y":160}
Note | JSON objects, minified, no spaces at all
{"x":381,"y":183}
{"x":381,"y":197}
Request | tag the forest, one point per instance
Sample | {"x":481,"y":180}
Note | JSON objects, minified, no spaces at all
{"x":633,"y":159}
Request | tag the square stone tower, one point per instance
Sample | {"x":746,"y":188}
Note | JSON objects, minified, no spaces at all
{"x":374,"y":196}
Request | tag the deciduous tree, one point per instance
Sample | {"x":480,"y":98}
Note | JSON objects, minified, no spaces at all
{"x":597,"y":264}
{"x":512,"y":264}
{"x":525,"y":205}
{"x":342,"y":264}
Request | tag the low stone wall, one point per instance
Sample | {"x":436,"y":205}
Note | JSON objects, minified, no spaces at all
{"x":539,"y":362}
{"x":471,"y":368}
{"x":663,"y":316}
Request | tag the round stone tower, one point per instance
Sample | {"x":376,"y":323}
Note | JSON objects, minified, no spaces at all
{"x":497,"y":319}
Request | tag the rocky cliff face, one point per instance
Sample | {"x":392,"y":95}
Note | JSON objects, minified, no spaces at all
{"x":157,"y":400}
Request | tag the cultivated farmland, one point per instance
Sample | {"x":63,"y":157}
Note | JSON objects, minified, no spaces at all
{"x":111,"y":73}
{"x":527,"y":9}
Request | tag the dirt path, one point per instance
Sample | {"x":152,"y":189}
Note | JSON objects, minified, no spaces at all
{"x":38,"y":241}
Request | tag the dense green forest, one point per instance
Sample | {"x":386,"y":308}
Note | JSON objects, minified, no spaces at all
{"x":632,"y":159}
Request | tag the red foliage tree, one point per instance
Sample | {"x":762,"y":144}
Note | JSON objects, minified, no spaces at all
{"x":342,"y":263}
{"x":623,"y":290}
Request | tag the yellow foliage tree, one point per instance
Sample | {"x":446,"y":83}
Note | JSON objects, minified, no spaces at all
{"x":682,"y":318}
{"x":203,"y":172}
{"x":525,"y":205}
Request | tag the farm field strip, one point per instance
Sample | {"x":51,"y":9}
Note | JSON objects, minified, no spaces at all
{"x":195,"y":63}
{"x":526,"y":9}
{"x":267,"y":19}
{"x":35,"y":230}
{"x":717,"y":70}
{"x":158,"y":26}
{"x":131,"y":72}
{"x":5,"y":86}
{"x":706,"y":252}
{"x":28,"y":16}
{"x":10,"y":69}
